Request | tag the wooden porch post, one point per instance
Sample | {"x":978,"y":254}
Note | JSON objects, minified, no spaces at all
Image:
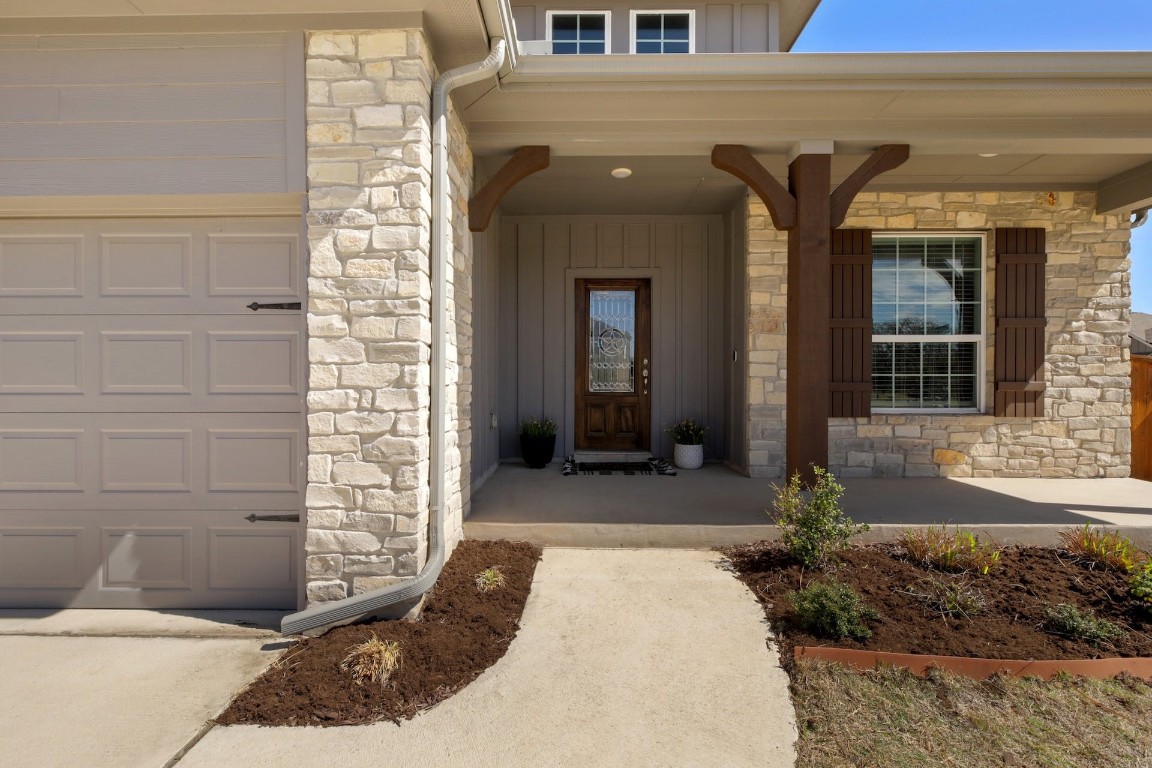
{"x":808,"y":210}
{"x":809,"y":281}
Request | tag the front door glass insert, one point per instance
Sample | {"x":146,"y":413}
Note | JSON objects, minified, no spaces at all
{"x":612,"y":341}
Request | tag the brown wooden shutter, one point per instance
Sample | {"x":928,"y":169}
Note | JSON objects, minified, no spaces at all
{"x":1020,"y":261}
{"x":850,"y":324}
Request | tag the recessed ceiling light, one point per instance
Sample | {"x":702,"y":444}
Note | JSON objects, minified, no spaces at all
{"x":621,"y":173}
{"x":989,"y":154}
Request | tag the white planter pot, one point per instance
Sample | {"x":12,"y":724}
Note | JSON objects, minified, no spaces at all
{"x":688,"y":456}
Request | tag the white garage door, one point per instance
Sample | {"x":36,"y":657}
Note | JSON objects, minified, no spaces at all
{"x":146,"y":413}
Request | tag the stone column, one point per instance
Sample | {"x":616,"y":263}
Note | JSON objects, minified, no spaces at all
{"x":369,"y":208}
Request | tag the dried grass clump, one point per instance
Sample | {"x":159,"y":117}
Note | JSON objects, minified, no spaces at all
{"x":1107,"y":548}
{"x":958,"y":551}
{"x":951,"y":599}
{"x":489,"y":579}
{"x":372,"y":661}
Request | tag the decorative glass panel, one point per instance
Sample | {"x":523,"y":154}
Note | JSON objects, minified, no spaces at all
{"x":612,"y":341}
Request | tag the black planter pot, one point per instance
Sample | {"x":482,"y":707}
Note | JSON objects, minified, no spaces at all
{"x":537,"y":451}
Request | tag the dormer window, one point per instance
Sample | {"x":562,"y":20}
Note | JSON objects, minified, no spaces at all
{"x":663,"y":31}
{"x":579,"y":32}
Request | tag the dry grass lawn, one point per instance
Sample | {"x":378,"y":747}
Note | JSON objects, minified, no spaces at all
{"x":892,"y":719}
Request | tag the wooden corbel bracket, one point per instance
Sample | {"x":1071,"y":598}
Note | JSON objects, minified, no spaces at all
{"x":883,"y":159}
{"x":737,"y":160}
{"x":526,"y":161}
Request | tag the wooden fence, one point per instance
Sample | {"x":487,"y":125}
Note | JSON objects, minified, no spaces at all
{"x":1142,"y":417}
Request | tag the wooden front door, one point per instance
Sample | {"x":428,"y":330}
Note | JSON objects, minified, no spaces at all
{"x":613,"y":363}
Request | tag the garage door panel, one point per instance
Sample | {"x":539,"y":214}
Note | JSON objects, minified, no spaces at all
{"x":107,"y":461}
{"x":147,"y":558}
{"x":146,"y":460}
{"x":154,"y":558}
{"x":42,"y":460}
{"x":148,"y":266}
{"x":256,"y":264}
{"x":42,"y":363}
{"x":41,"y":266}
{"x":42,"y":557}
{"x":129,"y":363}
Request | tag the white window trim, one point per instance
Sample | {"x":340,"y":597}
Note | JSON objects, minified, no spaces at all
{"x":657,"y":12}
{"x":607,"y":27}
{"x":980,"y":338}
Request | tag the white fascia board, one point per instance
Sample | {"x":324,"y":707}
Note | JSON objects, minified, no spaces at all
{"x":840,"y":70}
{"x":1127,"y":191}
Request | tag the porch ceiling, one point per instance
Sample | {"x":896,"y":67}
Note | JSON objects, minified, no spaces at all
{"x":1075,"y":121}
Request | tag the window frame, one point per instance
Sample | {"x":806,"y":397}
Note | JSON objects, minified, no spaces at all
{"x":560,"y":12}
{"x":636,"y":12}
{"x":980,"y":338}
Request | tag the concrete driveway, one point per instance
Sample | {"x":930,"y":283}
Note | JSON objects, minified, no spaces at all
{"x":122,"y":689}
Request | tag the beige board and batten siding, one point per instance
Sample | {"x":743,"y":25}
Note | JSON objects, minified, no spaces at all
{"x":151,"y":114}
{"x":720,"y":28}
{"x":145,"y":412}
{"x":540,"y":260}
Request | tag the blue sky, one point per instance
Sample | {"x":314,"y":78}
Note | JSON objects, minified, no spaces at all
{"x":993,"y":25}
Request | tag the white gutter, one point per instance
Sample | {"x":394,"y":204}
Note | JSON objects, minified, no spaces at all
{"x":327,"y":615}
{"x":802,"y":70}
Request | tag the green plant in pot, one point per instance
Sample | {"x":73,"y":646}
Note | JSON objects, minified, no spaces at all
{"x":688,"y":436}
{"x":537,"y":442}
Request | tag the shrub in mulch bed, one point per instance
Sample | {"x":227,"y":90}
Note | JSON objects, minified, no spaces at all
{"x":1011,"y":620}
{"x":461,"y":632}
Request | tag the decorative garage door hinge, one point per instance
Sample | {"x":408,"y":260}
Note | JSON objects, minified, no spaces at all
{"x":255,"y":518}
{"x":283,"y":305}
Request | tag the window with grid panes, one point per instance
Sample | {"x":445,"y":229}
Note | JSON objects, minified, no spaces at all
{"x":927,"y":317}
{"x":579,"y":33}
{"x":662,"y":31}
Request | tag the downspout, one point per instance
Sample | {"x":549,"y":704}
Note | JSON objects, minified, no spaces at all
{"x":1139,"y":217}
{"x":326,"y":615}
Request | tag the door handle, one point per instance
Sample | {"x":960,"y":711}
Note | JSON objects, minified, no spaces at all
{"x":645,"y":374}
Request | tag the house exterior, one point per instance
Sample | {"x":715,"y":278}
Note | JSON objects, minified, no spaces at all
{"x":175,"y":432}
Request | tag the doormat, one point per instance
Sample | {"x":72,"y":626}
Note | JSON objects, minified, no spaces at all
{"x":654,"y":466}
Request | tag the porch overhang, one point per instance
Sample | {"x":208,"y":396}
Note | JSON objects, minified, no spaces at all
{"x":973,"y":121}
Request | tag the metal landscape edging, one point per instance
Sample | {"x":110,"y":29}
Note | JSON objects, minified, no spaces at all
{"x":980,"y":668}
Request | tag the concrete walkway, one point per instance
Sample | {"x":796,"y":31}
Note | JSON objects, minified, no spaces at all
{"x":624,"y":658}
{"x":120,"y":689}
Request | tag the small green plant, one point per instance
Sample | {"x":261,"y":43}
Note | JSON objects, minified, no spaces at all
{"x":538,"y":428}
{"x":1097,"y":545}
{"x":958,"y":551}
{"x":1140,"y":583}
{"x":831,"y":609}
{"x":372,"y":661}
{"x":953,"y":599}
{"x":687,"y":432}
{"x":489,"y":579}
{"x":813,"y":529}
{"x":1070,"y":621}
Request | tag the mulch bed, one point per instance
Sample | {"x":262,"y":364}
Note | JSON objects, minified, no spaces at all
{"x":1018,"y":593}
{"x":460,"y":633}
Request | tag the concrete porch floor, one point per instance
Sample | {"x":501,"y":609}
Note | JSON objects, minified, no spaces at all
{"x":715,"y":506}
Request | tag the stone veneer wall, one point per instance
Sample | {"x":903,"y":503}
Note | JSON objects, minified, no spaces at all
{"x":369,"y":231}
{"x":1087,"y":406}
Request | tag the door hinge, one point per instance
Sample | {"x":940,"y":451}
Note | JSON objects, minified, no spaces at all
{"x":282,"y":305}
{"x":255,"y":518}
